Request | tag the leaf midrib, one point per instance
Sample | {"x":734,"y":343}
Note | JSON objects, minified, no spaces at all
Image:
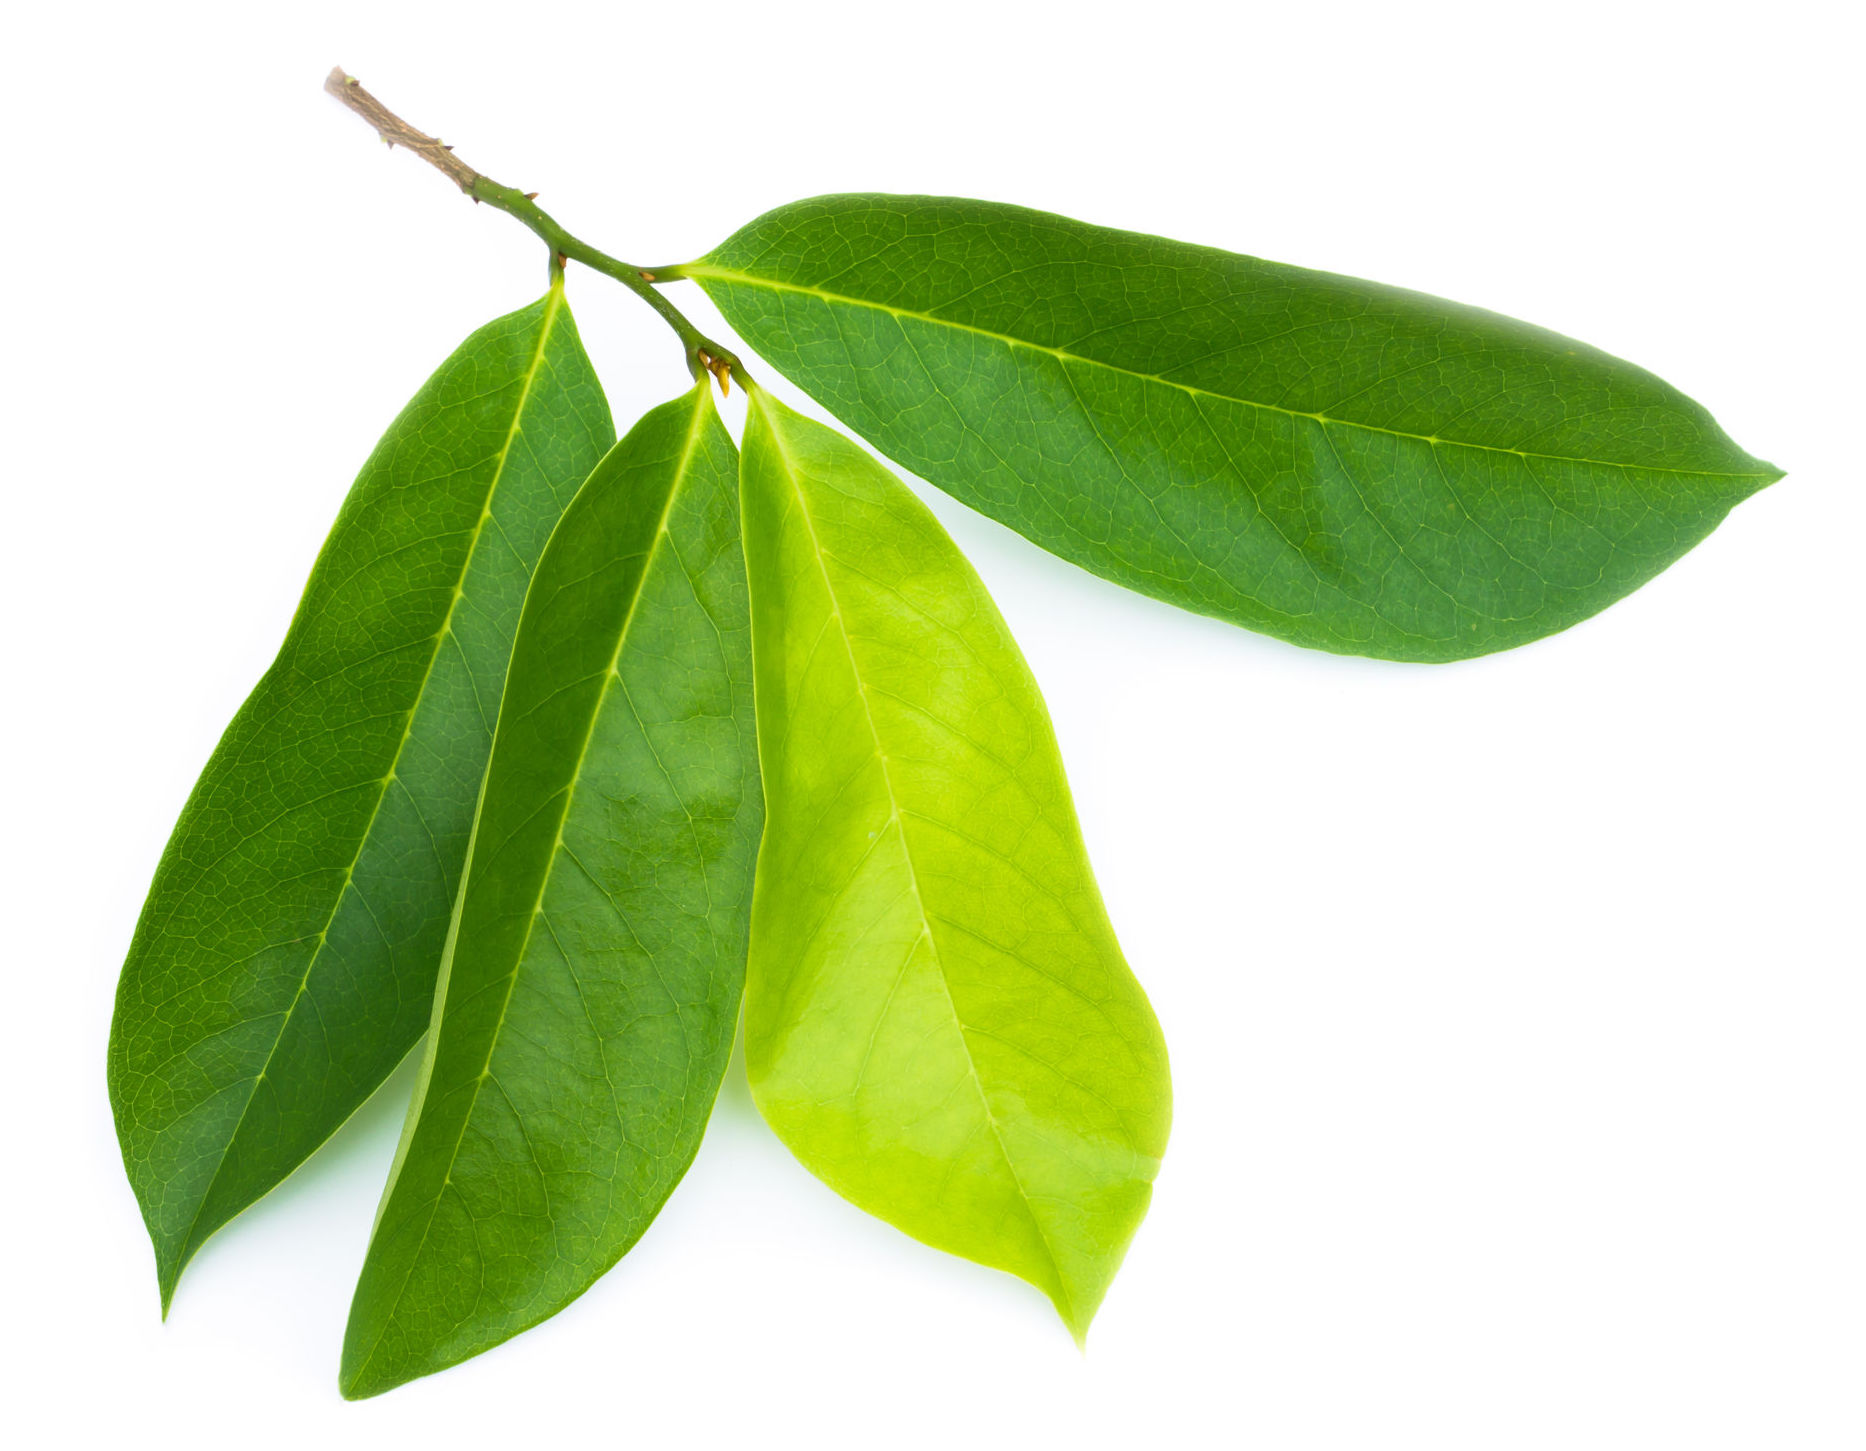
{"x":701,"y":270}
{"x":793,"y":474}
{"x":554,"y":303}
{"x":558,"y":851}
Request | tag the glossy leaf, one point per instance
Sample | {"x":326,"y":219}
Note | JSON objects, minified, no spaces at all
{"x":938,"y":1022}
{"x":286,"y":956}
{"x":593,"y":973}
{"x":1341,"y":464}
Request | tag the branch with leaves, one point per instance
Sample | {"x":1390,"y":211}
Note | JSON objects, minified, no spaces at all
{"x":763,"y":745}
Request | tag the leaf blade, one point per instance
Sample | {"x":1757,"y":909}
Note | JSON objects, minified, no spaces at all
{"x":592,"y":978}
{"x":1344,"y":465}
{"x":939,"y":1022}
{"x":283,"y":960}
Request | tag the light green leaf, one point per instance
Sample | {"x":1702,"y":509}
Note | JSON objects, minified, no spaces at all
{"x":1344,"y":465}
{"x":593,"y":972}
{"x":286,"y":956}
{"x":938,"y":1020}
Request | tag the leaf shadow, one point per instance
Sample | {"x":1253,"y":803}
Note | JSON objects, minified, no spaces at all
{"x":735,"y":1104}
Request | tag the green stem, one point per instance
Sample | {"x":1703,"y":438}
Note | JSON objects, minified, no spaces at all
{"x":703,"y":354}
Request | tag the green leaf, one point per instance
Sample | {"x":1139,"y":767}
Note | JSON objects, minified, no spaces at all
{"x":593,"y":973}
{"x":285,"y":958}
{"x":938,"y":1020}
{"x":1340,"y":464}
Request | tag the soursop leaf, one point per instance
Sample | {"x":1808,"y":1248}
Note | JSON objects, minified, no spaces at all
{"x":285,"y":959}
{"x":592,"y":979}
{"x":938,"y":1019}
{"x":1344,"y":465}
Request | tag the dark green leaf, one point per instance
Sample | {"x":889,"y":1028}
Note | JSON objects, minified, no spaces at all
{"x":286,"y":956}
{"x":938,"y":1019}
{"x":592,"y":978}
{"x":1338,"y":463}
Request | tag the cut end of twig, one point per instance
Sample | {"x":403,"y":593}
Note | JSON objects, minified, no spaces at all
{"x":394,"y":131}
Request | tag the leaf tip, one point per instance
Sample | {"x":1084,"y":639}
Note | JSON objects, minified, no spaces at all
{"x":1075,"y":1318}
{"x":355,"y":1384}
{"x":167,"y":1277}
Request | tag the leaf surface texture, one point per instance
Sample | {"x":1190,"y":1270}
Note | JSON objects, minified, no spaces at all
{"x":593,"y":975}
{"x":1344,"y":465}
{"x":939,"y":1021}
{"x":285,"y":959}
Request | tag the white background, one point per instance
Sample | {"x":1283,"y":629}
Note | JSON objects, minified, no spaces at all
{"x":1515,"y":1006}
